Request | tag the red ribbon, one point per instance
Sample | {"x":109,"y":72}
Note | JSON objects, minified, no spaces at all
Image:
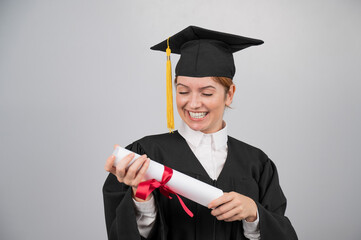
{"x":147,"y":187}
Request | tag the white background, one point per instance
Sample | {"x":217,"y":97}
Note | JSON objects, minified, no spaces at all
{"x":77,"y":77}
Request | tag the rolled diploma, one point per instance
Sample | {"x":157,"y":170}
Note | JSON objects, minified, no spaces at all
{"x":180,"y":183}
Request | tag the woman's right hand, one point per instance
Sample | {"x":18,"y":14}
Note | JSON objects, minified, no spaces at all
{"x":131,"y":176}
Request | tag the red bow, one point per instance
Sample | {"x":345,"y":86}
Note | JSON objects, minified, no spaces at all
{"x":147,"y":187}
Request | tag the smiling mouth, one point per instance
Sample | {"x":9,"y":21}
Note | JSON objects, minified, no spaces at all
{"x":197,"y":115}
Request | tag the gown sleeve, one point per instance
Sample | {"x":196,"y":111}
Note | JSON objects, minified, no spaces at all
{"x":120,"y":216}
{"x":272,"y":206}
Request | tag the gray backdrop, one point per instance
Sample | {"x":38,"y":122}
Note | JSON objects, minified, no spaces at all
{"x":77,"y":77}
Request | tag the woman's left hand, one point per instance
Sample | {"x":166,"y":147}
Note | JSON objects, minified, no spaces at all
{"x":233,"y":206}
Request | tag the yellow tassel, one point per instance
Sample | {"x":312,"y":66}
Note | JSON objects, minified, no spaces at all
{"x":170,"y":116}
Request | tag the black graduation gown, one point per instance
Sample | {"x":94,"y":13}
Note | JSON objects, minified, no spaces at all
{"x":247,"y":170}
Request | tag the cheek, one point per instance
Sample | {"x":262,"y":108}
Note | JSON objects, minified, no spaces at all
{"x":216,"y":104}
{"x":180,"y":101}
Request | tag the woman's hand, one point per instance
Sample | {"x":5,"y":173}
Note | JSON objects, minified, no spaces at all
{"x":233,"y":206}
{"x":131,"y":176}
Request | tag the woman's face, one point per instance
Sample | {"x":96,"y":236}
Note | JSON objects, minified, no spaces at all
{"x":201,"y":102}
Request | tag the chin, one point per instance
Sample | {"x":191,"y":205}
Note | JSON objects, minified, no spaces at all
{"x":196,"y":126}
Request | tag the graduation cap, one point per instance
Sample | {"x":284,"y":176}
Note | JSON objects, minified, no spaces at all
{"x":204,"y":53}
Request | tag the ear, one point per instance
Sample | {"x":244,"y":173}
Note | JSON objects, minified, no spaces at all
{"x":230,"y":94}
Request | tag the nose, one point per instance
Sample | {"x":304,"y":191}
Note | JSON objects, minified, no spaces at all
{"x":195,"y":101}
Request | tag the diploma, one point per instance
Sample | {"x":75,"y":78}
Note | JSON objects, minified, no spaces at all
{"x":180,"y":183}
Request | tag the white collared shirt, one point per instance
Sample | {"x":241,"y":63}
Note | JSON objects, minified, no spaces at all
{"x":211,"y":151}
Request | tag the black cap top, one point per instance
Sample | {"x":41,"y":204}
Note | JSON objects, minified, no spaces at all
{"x":205,"y":53}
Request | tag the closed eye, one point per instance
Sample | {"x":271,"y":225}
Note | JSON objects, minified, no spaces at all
{"x":182,"y":92}
{"x":207,"y":94}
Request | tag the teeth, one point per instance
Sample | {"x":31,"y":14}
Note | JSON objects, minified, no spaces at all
{"x":198,"y":115}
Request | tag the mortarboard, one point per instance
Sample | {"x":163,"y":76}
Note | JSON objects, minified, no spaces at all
{"x":204,"y":53}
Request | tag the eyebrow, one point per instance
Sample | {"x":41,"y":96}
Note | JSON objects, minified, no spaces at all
{"x":209,"y":86}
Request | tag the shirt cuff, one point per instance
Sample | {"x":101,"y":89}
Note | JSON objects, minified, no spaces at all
{"x":147,"y":207}
{"x":145,"y":214}
{"x":251,"y":227}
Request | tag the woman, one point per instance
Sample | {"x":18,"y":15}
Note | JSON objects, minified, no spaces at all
{"x":253,"y":204}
